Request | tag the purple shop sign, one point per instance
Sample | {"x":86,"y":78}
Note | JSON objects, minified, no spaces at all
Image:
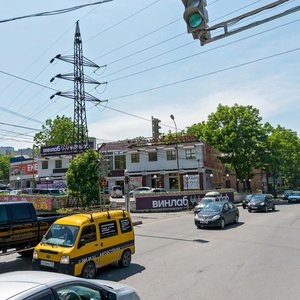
{"x":179,"y":200}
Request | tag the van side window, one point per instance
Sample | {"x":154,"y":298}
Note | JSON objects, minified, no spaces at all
{"x":125,"y":225}
{"x":108,"y":229}
{"x":89,"y":233}
{"x":21,"y":212}
{"x":3,"y":215}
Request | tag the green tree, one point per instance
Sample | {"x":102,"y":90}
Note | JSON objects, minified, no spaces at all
{"x":283,"y":156}
{"x":82,"y":178}
{"x":57,"y":131}
{"x":4,"y":167}
{"x":237,"y":132}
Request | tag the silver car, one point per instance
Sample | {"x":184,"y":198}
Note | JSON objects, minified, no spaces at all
{"x":40,"y":285}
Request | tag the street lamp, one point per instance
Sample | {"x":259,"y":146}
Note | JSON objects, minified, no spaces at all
{"x":47,"y":180}
{"x":35,"y":180}
{"x":126,"y":190}
{"x":19,"y":182}
{"x":212,"y":180}
{"x":176,"y":147}
{"x":187,"y":181}
{"x":155,"y":178}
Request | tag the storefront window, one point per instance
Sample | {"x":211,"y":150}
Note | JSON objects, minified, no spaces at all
{"x":171,"y":154}
{"x":120,"y":162}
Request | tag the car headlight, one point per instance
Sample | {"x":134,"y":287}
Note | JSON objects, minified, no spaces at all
{"x":35,"y":255}
{"x":216,"y":217}
{"x":263,"y":203}
{"x":65,"y":259}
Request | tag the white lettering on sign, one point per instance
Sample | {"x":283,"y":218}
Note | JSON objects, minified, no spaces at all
{"x":170,"y":203}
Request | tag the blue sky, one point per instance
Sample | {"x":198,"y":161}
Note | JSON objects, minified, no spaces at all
{"x":139,"y":41}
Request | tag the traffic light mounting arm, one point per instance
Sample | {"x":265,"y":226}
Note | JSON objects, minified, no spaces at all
{"x":203,"y":32}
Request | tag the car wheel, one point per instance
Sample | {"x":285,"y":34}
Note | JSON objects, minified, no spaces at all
{"x":222,"y":225}
{"x":125,"y":259}
{"x":244,"y":206}
{"x":249,"y":209}
{"x":199,"y":226}
{"x":89,"y":270}
{"x":266,"y":208}
{"x":273,"y":207}
{"x":236,"y":218}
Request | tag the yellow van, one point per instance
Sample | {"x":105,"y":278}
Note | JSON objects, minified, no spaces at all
{"x":80,"y":244}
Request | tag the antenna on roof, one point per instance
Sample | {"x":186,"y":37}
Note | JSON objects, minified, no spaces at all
{"x":124,"y":215}
{"x":92,"y":219}
{"x":108,"y":215}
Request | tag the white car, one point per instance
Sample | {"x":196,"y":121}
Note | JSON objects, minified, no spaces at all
{"x":39,"y":285}
{"x":140,"y":189}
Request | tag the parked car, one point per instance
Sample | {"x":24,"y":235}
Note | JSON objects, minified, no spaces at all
{"x":156,"y":190}
{"x":41,"y":285}
{"x":116,"y":191}
{"x":138,"y":190}
{"x":15,"y":192}
{"x":261,"y":202}
{"x":52,"y":192}
{"x":246,"y":200}
{"x":217,"y":214}
{"x":286,"y":194}
{"x":294,"y":197}
{"x":203,"y":202}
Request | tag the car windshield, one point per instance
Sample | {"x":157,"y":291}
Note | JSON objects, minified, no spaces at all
{"x":295,"y":194}
{"x":257,"y":198}
{"x":207,"y":200}
{"x":248,"y":197}
{"x":61,"y":235}
{"x":212,"y":207}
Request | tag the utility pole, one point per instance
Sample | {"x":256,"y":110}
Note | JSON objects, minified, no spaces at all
{"x":177,"y":157}
{"x":80,"y":130}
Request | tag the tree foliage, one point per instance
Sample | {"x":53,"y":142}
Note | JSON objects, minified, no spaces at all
{"x":237,"y":132}
{"x":283,"y":156}
{"x":4,"y":167}
{"x":82,"y":178}
{"x":57,"y":131}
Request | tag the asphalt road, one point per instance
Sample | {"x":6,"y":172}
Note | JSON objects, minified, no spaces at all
{"x":259,"y":258}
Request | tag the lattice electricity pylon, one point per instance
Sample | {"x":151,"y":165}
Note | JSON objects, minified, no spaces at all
{"x":80,"y":130}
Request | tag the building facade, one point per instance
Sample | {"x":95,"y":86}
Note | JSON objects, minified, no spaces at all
{"x":153,"y":164}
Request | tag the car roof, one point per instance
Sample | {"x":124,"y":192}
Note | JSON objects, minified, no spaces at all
{"x":14,"y":283}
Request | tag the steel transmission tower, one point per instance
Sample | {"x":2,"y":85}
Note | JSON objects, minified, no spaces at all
{"x":80,"y":130}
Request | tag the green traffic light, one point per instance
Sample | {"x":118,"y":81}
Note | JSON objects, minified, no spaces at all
{"x":195,"y":20}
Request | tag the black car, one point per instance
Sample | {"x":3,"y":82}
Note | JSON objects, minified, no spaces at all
{"x":261,"y":202}
{"x":217,"y":214}
{"x":246,"y":200}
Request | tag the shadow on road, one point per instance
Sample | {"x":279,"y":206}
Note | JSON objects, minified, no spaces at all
{"x":115,"y":273}
{"x":18,"y":264}
{"x":172,"y":238}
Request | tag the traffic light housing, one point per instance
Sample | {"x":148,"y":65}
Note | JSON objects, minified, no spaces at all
{"x":196,"y":18}
{"x":155,"y":128}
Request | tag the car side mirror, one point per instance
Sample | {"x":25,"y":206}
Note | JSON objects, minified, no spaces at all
{"x":81,"y":243}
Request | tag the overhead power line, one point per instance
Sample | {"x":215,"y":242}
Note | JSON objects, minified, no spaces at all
{"x":19,"y":126}
{"x":206,"y":74}
{"x":27,"y":80}
{"x":123,"y":20}
{"x":54,"y":12}
{"x":200,"y":53}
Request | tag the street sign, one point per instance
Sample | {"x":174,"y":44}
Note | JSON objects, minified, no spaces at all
{"x":102,"y":181}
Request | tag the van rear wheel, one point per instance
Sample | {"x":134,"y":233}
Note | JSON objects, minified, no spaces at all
{"x":89,"y":270}
{"x":125,"y":259}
